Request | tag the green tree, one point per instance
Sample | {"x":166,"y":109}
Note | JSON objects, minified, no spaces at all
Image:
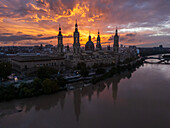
{"x":49,"y":86}
{"x":8,"y":92}
{"x":45,"y":72}
{"x":61,"y":81}
{"x":5,"y":69}
{"x":37,"y":83}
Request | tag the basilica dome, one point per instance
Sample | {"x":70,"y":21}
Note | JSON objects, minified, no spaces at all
{"x":89,"y":45}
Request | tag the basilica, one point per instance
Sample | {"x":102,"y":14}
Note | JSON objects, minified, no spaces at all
{"x":63,"y":58}
{"x":90,"y":55}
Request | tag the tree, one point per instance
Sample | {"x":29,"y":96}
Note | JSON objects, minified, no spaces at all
{"x":61,"y":81}
{"x":49,"y":86}
{"x":37,"y":83}
{"x":5,"y":69}
{"x":45,"y":72}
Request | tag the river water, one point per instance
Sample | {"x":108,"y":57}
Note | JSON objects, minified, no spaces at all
{"x":136,"y":99}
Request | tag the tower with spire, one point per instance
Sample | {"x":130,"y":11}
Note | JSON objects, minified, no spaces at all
{"x":60,"y":45}
{"x":98,"y":45}
{"x":116,"y":42}
{"x":76,"y":44}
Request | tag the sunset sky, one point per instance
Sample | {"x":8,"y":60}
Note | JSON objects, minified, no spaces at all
{"x":33,"y":22}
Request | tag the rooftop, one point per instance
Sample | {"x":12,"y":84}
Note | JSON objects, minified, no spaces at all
{"x":36,"y":58}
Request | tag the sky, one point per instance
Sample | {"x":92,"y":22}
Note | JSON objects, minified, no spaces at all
{"x":144,"y":23}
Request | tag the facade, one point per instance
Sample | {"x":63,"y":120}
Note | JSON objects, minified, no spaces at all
{"x":29,"y":64}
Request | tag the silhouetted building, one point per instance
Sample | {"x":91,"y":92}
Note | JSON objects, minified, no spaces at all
{"x":89,"y":45}
{"x":76,"y":44}
{"x":116,"y":42}
{"x":60,"y":45}
{"x":98,"y":45}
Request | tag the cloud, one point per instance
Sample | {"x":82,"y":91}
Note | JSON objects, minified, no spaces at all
{"x":11,"y":37}
{"x":131,"y":34}
{"x":111,"y":38}
{"x":40,"y":18}
{"x":6,"y":34}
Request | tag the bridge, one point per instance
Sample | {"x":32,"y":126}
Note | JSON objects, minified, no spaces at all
{"x":161,"y":60}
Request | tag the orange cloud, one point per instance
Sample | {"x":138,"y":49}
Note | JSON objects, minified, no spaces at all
{"x":42,"y":17}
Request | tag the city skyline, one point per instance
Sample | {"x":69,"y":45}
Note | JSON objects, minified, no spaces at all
{"x":30,"y":22}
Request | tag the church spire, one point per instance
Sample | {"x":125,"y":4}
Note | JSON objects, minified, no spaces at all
{"x":59,"y":30}
{"x":60,"y":45}
{"x":116,"y":42}
{"x":98,"y":45}
{"x":89,"y":36}
{"x":116,"y":31}
{"x":76,"y":26}
{"x":76,"y":44}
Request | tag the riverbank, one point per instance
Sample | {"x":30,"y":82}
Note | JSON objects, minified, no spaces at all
{"x":49,"y":86}
{"x":130,"y":99}
{"x":118,"y":69}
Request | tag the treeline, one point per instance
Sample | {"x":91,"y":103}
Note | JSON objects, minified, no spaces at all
{"x":117,"y":70}
{"x":47,"y":81}
{"x":44,"y":83}
{"x":84,"y":70}
{"x":5,"y":70}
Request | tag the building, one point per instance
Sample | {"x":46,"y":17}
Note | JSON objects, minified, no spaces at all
{"x":60,"y":45}
{"x":29,"y":64}
{"x":3,"y":57}
{"x":98,"y":45}
{"x":116,"y":43}
{"x":89,"y":55}
{"x":76,"y":44}
{"x":67,"y":59}
{"x":89,"y":45}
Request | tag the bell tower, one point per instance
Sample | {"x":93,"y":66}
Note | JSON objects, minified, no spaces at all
{"x":98,"y":45}
{"x":60,"y":45}
{"x":116,"y":42}
{"x":76,"y":44}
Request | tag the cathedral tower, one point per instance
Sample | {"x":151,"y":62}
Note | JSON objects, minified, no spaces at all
{"x":98,"y":45}
{"x":60,"y":45}
{"x":116,"y":42}
{"x":76,"y":44}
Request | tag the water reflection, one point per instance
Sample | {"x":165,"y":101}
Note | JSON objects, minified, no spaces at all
{"x":77,"y":103}
{"x":58,"y":101}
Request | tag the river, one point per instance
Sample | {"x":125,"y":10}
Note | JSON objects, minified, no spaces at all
{"x":136,"y":99}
